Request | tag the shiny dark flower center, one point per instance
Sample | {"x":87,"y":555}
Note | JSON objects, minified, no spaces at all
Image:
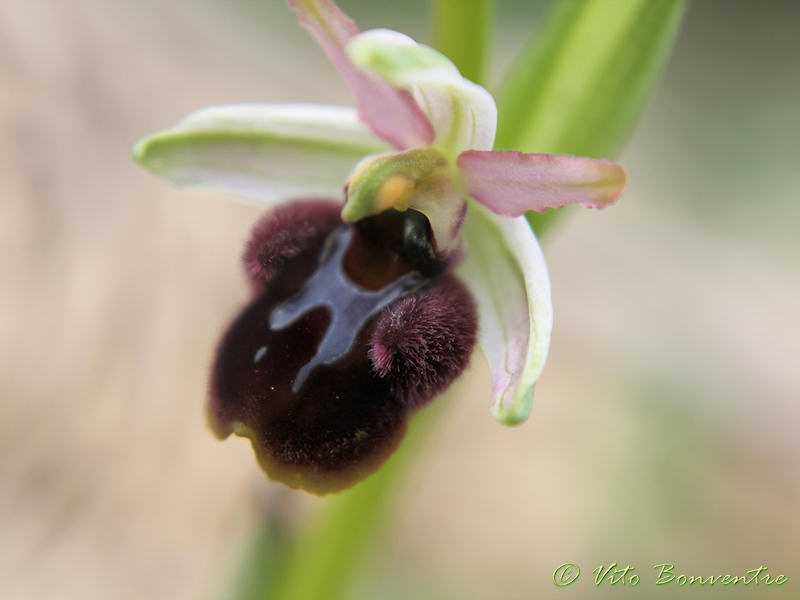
{"x":350,"y":329}
{"x":348,"y":305}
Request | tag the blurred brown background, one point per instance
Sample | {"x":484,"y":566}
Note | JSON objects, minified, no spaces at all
{"x":665,"y":425}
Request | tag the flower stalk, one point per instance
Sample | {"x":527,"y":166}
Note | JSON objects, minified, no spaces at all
{"x":462,"y":32}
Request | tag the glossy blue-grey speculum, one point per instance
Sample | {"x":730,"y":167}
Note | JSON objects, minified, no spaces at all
{"x":349,"y":305}
{"x":350,"y":329}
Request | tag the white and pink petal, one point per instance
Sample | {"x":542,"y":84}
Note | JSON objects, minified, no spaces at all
{"x":463,"y":114}
{"x":505,"y":270}
{"x":264,"y":152}
{"x":511,"y":183}
{"x":390,"y":111}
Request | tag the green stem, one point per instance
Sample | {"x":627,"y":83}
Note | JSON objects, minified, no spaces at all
{"x":461,"y":31}
{"x":325,"y":558}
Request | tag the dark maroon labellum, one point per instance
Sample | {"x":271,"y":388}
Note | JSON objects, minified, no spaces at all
{"x":352,"y":327}
{"x":349,"y":306}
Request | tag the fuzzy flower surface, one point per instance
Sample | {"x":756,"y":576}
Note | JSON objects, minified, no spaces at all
{"x":367,"y":304}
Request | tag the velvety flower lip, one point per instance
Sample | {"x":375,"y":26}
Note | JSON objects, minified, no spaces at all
{"x":416,"y":164}
{"x":321,"y":415}
{"x":349,"y":306}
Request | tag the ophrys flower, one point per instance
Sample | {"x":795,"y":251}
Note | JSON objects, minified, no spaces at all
{"x":352,"y":327}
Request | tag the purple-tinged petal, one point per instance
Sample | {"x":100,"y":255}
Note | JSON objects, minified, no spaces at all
{"x":462,"y":113}
{"x":391,"y":112}
{"x":506,"y":273}
{"x":510,"y":183}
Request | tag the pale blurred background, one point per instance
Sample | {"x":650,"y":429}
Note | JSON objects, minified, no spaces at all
{"x":665,"y":425}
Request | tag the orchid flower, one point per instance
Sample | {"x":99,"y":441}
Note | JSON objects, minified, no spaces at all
{"x":362,"y":312}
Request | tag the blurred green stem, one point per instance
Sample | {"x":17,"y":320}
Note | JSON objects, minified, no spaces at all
{"x":325,"y":557}
{"x":461,"y":31}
